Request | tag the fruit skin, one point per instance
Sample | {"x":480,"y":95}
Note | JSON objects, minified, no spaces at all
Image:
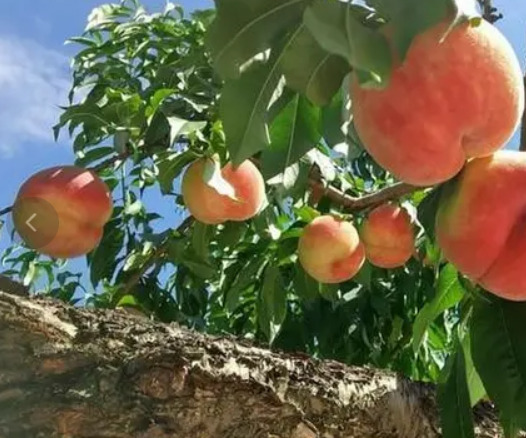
{"x":446,"y":102}
{"x":388,"y":236}
{"x":481,"y":223}
{"x":330,"y":250}
{"x":210,"y":207}
{"x":82,"y":202}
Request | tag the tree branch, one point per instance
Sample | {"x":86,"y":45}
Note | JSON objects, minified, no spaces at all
{"x":352,"y":203}
{"x":67,"y":371}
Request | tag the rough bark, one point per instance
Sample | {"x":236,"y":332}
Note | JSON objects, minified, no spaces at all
{"x":70,"y":372}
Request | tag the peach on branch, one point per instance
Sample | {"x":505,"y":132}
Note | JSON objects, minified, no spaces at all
{"x":61,"y":211}
{"x":209,"y":206}
{"x":481,"y":223}
{"x":388,"y":236}
{"x":330,"y":250}
{"x":446,"y":102}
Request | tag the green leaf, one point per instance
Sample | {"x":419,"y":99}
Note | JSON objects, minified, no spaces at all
{"x":232,"y":234}
{"x":272,"y":308}
{"x":332,"y":121}
{"x":305,"y":286}
{"x":248,"y":274}
{"x":294,"y":132}
{"x":243,"y":108}
{"x":499,"y":354}
{"x":453,"y":399}
{"x":475,"y":385}
{"x":179,"y":127}
{"x":170,"y":165}
{"x":408,"y":18}
{"x":338,"y":29}
{"x":201,"y":235}
{"x":202,"y":268}
{"x":427,"y":211}
{"x":103,"y":260}
{"x":244,"y":29}
{"x":128,"y":301}
{"x":95,"y":154}
{"x":449,"y":292}
{"x":311,"y":70}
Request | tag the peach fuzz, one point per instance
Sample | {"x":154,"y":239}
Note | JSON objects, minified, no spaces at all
{"x":210,"y":207}
{"x":481,"y":223}
{"x":448,"y":101}
{"x":388,"y":236}
{"x":330,"y":250}
{"x":82,"y":203}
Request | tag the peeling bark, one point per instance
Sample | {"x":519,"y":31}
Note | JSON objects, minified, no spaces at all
{"x":70,"y":372}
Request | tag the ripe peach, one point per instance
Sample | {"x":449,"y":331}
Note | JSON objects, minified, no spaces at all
{"x":448,"y":101}
{"x":210,"y":207}
{"x":388,"y":236}
{"x":79,"y":203}
{"x":481,"y":223}
{"x":330,"y":250}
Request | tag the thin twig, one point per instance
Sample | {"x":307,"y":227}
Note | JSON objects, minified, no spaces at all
{"x":6,"y":210}
{"x":351,"y":203}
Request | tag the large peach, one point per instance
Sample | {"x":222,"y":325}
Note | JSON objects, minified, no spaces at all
{"x":67,"y":208}
{"x":448,"y":101}
{"x":481,"y":223}
{"x":330,"y":250}
{"x":388,"y":236}
{"x":210,"y":207}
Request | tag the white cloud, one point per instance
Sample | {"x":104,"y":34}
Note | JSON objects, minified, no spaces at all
{"x":34,"y":81}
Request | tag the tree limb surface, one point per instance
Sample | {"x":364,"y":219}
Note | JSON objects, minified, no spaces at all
{"x":71,"y":372}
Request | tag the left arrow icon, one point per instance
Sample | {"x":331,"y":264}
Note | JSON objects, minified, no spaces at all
{"x":28,"y":222}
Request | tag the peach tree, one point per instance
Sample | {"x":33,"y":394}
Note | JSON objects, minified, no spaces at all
{"x":335,"y":177}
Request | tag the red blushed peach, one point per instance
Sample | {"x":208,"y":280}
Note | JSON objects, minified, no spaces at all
{"x":210,"y":207}
{"x":388,"y":236}
{"x":448,"y":101}
{"x":80,"y":204}
{"x":481,"y":223}
{"x":330,"y":250}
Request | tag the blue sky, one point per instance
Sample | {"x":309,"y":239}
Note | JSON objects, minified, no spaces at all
{"x":34,"y":78}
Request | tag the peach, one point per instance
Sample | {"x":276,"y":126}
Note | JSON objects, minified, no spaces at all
{"x":481,"y":223}
{"x":67,"y":207}
{"x":210,"y":207}
{"x":388,"y":236}
{"x":330,"y":250}
{"x":448,"y":101}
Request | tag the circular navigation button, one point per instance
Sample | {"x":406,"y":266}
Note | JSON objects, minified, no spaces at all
{"x":36,"y":221}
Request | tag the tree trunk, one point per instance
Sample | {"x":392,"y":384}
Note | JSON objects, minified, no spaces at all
{"x":70,"y":372}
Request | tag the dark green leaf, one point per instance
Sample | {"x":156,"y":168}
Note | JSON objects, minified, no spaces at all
{"x":170,"y":165}
{"x":427,"y":211}
{"x":453,"y":399}
{"x":305,"y":286}
{"x":338,"y":29}
{"x":475,"y":385}
{"x":499,"y":354}
{"x":248,"y":274}
{"x":311,"y":70}
{"x":104,"y":258}
{"x":201,"y":235}
{"x":272,"y":308}
{"x":243,"y":29}
{"x":243,"y":108}
{"x":294,"y":132}
{"x":449,"y":292}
